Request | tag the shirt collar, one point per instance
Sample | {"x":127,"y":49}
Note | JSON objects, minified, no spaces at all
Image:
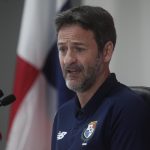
{"x":96,"y":100}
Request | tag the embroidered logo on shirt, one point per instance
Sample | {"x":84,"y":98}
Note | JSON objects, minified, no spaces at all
{"x":88,"y":132}
{"x":61,"y":135}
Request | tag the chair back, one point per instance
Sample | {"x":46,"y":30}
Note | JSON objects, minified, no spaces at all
{"x":144,"y":92}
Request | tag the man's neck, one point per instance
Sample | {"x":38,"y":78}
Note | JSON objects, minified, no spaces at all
{"x":84,"y":97}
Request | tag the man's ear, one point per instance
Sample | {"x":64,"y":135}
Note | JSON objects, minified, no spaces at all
{"x":108,"y":51}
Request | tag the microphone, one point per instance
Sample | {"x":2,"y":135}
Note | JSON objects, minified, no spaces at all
{"x":1,"y":93}
{"x":7,"y":100}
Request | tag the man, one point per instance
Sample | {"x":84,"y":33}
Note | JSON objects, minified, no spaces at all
{"x":105,"y":114}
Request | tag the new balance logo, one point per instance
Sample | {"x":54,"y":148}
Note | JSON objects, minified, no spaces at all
{"x":61,"y":135}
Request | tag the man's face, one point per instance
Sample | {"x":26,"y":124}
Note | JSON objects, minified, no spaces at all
{"x":79,"y":57}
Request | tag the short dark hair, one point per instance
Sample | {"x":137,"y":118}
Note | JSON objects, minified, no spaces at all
{"x":96,"y":19}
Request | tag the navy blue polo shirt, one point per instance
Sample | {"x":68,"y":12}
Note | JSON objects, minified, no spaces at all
{"x":115,"y":118}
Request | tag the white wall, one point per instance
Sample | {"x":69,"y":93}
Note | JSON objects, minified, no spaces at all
{"x":131,"y":58}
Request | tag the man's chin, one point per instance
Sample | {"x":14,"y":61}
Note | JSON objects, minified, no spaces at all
{"x":72,"y":85}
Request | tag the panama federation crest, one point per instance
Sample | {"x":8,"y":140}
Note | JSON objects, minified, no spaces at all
{"x":88,"y":132}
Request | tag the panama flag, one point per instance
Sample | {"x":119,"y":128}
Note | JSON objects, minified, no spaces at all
{"x":39,"y":84}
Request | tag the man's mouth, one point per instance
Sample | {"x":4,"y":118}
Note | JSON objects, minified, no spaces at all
{"x":72,"y":72}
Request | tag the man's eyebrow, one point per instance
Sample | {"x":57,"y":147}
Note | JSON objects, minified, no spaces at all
{"x":74,"y":43}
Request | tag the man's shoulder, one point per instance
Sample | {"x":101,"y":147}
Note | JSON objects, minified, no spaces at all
{"x":127,"y":102}
{"x":124,"y":99}
{"x":123,"y":93}
{"x":128,"y":119}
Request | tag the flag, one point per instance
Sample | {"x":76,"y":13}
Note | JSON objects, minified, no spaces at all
{"x":39,"y":84}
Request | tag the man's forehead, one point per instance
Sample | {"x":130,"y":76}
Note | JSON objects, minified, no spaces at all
{"x":74,"y":32}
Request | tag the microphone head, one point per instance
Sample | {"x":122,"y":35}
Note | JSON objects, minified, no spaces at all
{"x":7,"y":100}
{"x":1,"y":93}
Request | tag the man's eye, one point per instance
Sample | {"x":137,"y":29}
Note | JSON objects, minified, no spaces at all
{"x":61,"y":49}
{"x":80,"y":49}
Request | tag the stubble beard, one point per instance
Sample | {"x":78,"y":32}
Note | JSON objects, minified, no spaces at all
{"x":86,"y":78}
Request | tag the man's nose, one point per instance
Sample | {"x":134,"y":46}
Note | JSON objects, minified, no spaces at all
{"x":70,"y":57}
